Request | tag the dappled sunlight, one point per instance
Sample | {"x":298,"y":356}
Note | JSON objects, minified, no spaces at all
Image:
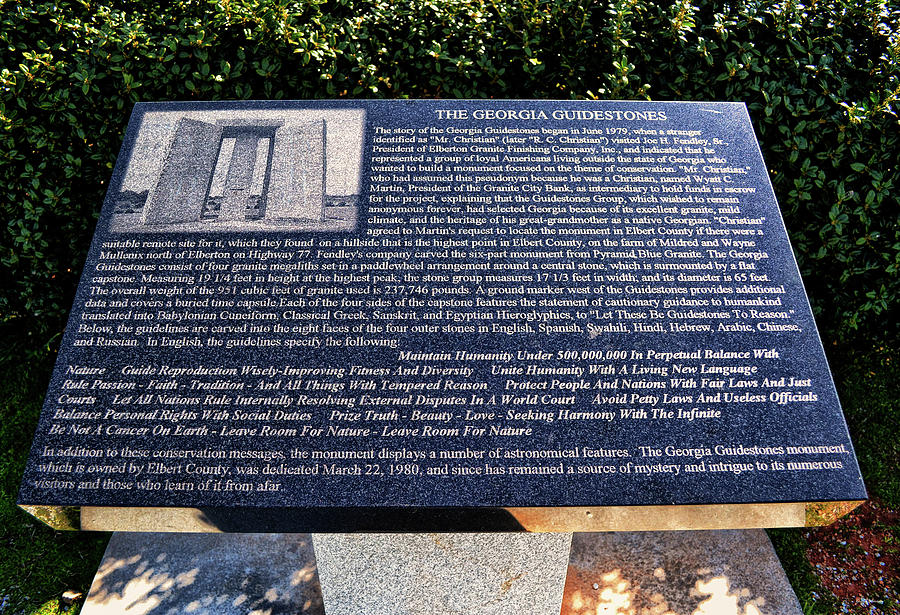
{"x":659,"y":607}
{"x":721,"y":601}
{"x":206,"y":575}
{"x":305,"y":575}
{"x":616,"y":593}
{"x":723,"y":572}
{"x":615,"y":599}
{"x":136,"y":584}
{"x":612,"y":593}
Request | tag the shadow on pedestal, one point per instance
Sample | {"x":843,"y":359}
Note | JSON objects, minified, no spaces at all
{"x":360,"y":520}
{"x":214,"y":574}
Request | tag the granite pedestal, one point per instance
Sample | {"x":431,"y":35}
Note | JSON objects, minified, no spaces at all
{"x":623,"y":573}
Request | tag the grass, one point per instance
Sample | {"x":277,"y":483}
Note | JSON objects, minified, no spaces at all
{"x":38,"y":563}
{"x":791,"y":548}
{"x":868,"y":383}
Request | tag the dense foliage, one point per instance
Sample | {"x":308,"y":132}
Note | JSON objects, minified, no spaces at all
{"x":821,"y":80}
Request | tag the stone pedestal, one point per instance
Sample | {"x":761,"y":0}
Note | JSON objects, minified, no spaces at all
{"x":625,"y":573}
{"x":418,"y":574}
{"x":144,"y":573}
{"x":725,"y":572}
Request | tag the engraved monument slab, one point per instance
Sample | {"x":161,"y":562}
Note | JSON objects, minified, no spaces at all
{"x":540,"y":315}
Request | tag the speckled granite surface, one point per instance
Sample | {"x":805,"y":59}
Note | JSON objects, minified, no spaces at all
{"x":415,"y":574}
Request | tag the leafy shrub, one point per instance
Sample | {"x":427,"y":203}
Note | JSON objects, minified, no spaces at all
{"x":821,"y":82}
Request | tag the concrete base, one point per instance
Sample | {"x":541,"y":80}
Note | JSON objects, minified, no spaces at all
{"x":628,"y":573}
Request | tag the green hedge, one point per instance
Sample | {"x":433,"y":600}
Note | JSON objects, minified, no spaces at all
{"x":821,"y":82}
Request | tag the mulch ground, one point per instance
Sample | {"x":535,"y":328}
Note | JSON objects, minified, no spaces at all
{"x":858,"y":559}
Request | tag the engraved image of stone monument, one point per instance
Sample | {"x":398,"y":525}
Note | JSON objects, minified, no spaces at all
{"x":243,"y":172}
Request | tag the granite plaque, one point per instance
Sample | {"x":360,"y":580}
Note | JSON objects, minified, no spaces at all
{"x":551,"y":315}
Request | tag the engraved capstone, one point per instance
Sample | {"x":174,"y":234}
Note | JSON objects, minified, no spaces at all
{"x":441,"y":315}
